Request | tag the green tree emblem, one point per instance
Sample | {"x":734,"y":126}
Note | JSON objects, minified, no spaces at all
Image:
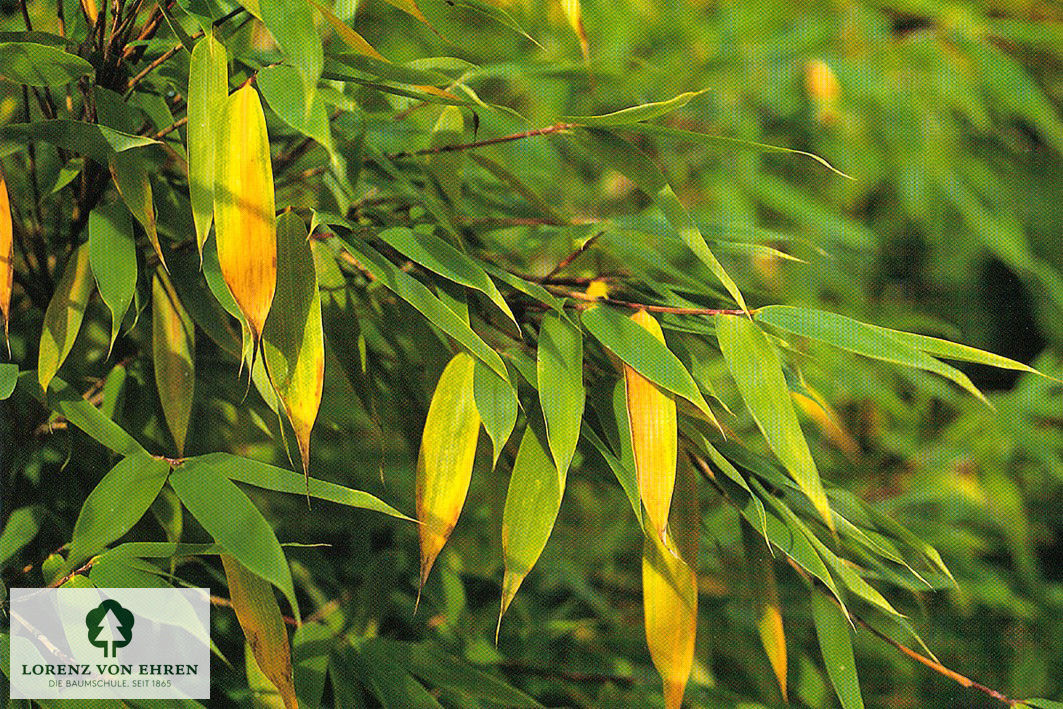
{"x":109,"y":624}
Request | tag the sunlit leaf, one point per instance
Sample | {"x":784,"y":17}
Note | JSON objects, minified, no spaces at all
{"x":635,"y":114}
{"x":173,"y":341}
{"x":559,"y":366}
{"x":131,"y":178}
{"x":670,"y":606}
{"x":89,"y":139}
{"x":208,"y":88}
{"x":291,"y":22}
{"x":832,"y":629}
{"x":113,"y":259}
{"x":62,"y":319}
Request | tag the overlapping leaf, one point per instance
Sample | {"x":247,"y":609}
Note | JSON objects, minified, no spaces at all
{"x":208,"y":88}
{"x":62,"y":319}
{"x":173,"y":340}
{"x":559,"y":369}
{"x":113,"y":259}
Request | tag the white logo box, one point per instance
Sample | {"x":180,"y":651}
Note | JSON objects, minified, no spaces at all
{"x":113,"y":643}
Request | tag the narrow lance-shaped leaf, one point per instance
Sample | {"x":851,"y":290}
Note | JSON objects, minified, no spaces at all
{"x":634,"y":114}
{"x":131,"y":178}
{"x":574,"y":11}
{"x":7,"y":265}
{"x":532,"y":503}
{"x":670,"y":608}
{"x":113,"y":259}
{"x":173,"y":340}
{"x":260,"y":617}
{"x":757,"y":370}
{"x":62,"y":319}
{"x":244,"y":211}
{"x":651,"y":414}
{"x":559,"y":370}
{"x":208,"y":82}
{"x":832,"y":629}
{"x":447,"y":167}
{"x":767,"y":610}
{"x":496,"y":402}
{"x":291,"y":22}
{"x":293,"y":344}
{"x":39,"y":64}
{"x":444,"y":463}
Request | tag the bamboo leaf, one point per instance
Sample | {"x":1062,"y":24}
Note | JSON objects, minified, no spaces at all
{"x":860,"y":338}
{"x":448,"y":168}
{"x":8,"y":379}
{"x":559,"y":369}
{"x":234,"y":522}
{"x":208,"y":88}
{"x":444,"y":463}
{"x":131,"y":178}
{"x":832,"y":629}
{"x":351,"y":38}
{"x":293,"y":342}
{"x":651,"y":415}
{"x":574,"y":11}
{"x":7,"y":258}
{"x":635,"y":114}
{"x":173,"y":339}
{"x":291,"y":22}
{"x":62,"y":319}
{"x":40,"y":65}
{"x":260,"y":617}
{"x":113,"y":260}
{"x":755,"y":365}
{"x":20,"y":529}
{"x":532,"y":503}
{"x":497,"y":14}
{"x":62,"y":399}
{"x":89,"y":139}
{"x":670,"y":608}
{"x":276,"y":83}
{"x":244,"y":211}
{"x":766,"y":607}
{"x":496,"y":402}
{"x":117,"y":502}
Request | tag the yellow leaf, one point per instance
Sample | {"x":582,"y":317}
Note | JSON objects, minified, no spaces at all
{"x":766,"y":606}
{"x":260,"y":617}
{"x":651,"y":413}
{"x":293,"y":344}
{"x":444,"y":464}
{"x":670,"y":606}
{"x":245,"y":222}
{"x":62,"y":319}
{"x":574,"y":12}
{"x":173,"y":341}
{"x":826,"y":419}
{"x":351,"y":38}
{"x":7,"y":265}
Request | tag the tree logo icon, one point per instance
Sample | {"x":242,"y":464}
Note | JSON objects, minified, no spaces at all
{"x":111,"y":625}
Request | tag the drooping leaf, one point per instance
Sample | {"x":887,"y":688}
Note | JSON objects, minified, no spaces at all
{"x":293,"y":344}
{"x":276,"y":84}
{"x":438,"y":256}
{"x":244,"y":212}
{"x":444,"y":463}
{"x":767,"y":611}
{"x":40,"y":65}
{"x":670,"y":607}
{"x":496,"y":402}
{"x":62,"y":319}
{"x":311,"y":645}
{"x":625,"y":158}
{"x":208,"y":88}
{"x":89,"y":139}
{"x":224,"y":511}
{"x":131,"y":177}
{"x":532,"y":502}
{"x":497,"y":14}
{"x":860,"y":338}
{"x":117,"y":502}
{"x":260,"y":617}
{"x":832,"y":629}
{"x":113,"y":259}
{"x":651,"y":416}
{"x":62,"y":399}
{"x":351,"y":38}
{"x":291,"y":22}
{"x":574,"y":11}
{"x":635,"y":114}
{"x":447,"y":167}
{"x":757,"y":370}
{"x":173,"y":340}
{"x":559,"y":368}
{"x":7,"y":257}
{"x":20,"y":528}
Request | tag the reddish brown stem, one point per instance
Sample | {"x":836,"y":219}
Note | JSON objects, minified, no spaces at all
{"x":556,"y":128}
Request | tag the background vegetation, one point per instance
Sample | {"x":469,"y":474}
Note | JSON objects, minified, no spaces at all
{"x":946,"y":117}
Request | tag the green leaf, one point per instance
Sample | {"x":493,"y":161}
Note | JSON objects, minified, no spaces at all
{"x":952,"y":350}
{"x":832,"y":629}
{"x":8,"y":379}
{"x":860,"y":338}
{"x":237,"y":525}
{"x":559,"y":368}
{"x":276,"y":84}
{"x":437,"y":255}
{"x":270,"y":477}
{"x":291,"y":22}
{"x":62,"y":319}
{"x":173,"y":340}
{"x":117,"y":502}
{"x":635,"y":114}
{"x":113,"y":258}
{"x":757,"y":370}
{"x":208,"y":87}
{"x":532,"y":502}
{"x":311,"y":646}
{"x":69,"y":404}
{"x":130,"y":175}
{"x":447,"y":167}
{"x":416,"y":294}
{"x":89,"y":139}
{"x":497,"y":14}
{"x":387,"y":680}
{"x":21,"y":527}
{"x":496,"y":402}
{"x":40,"y":65}
{"x":638,"y":348}
{"x":628,"y":160}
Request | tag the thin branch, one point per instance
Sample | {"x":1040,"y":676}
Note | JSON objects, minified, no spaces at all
{"x":163,"y":58}
{"x":565,"y":262}
{"x":651,"y":308}
{"x":171,"y":128}
{"x":556,"y":128}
